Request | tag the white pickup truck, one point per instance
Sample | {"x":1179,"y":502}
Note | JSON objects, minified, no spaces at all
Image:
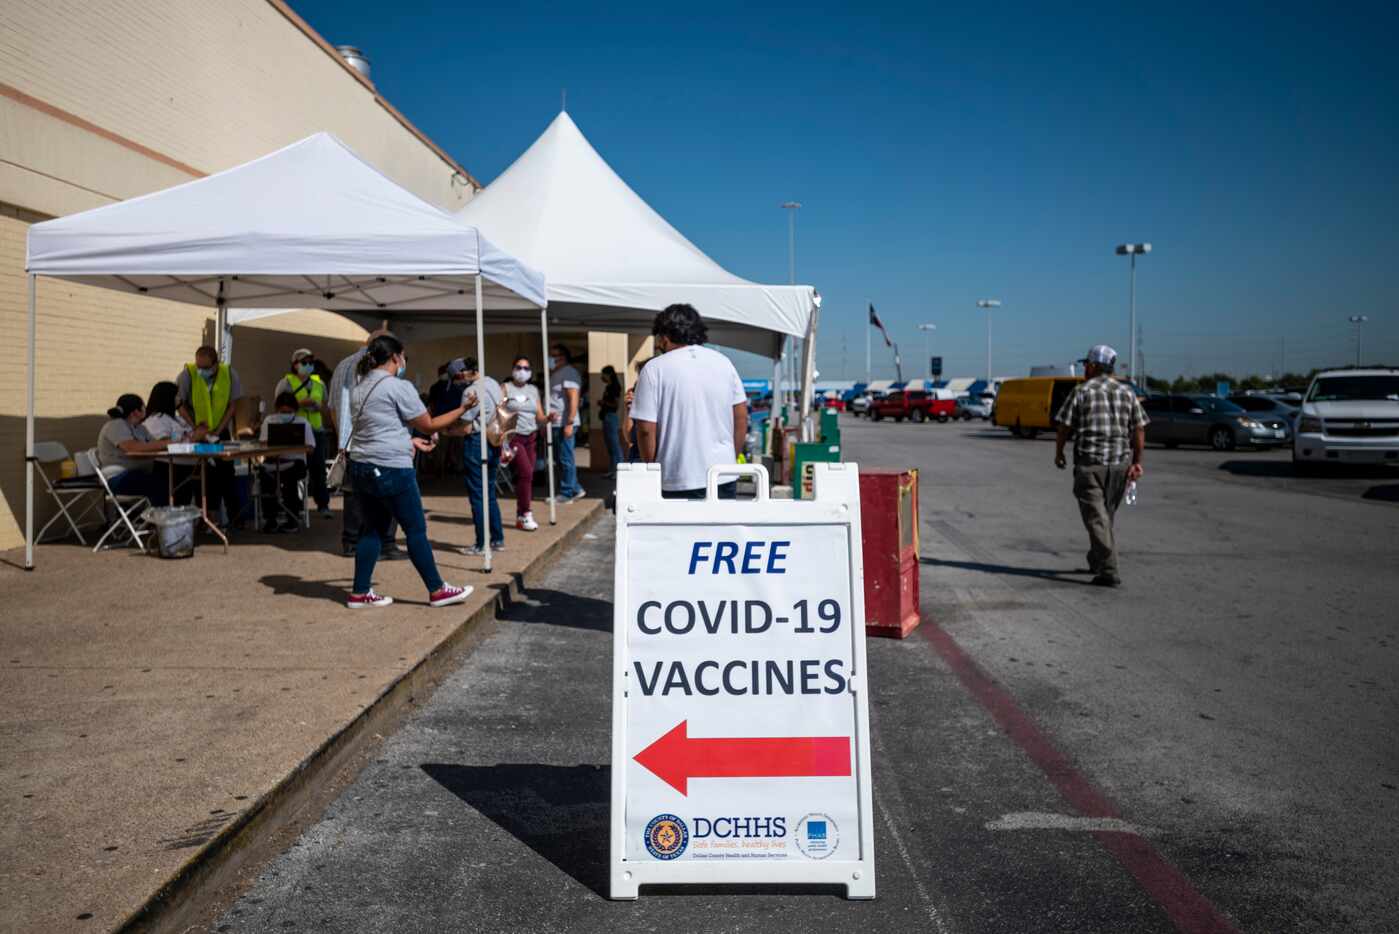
{"x":1348,"y":417}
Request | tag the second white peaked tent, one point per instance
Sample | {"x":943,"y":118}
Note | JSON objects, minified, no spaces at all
{"x":612,"y":262}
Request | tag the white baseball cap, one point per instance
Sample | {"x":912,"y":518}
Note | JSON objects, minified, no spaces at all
{"x":1101,"y":354}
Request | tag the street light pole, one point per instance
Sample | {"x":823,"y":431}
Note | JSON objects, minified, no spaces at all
{"x":1133,"y":250}
{"x":1358,"y":320}
{"x":927,"y":351}
{"x":791,"y":207}
{"x":988,"y":304}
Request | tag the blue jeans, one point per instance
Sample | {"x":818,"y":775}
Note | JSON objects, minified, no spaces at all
{"x":563,"y":450}
{"x":473,"y":490}
{"x":147,"y":483}
{"x":726,"y":491}
{"x":382,"y":495}
{"x":612,"y":437}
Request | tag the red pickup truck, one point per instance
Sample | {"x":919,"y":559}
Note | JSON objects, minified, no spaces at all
{"x":915,"y":404}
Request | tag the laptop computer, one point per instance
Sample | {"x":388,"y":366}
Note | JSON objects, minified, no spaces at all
{"x":286,"y":434}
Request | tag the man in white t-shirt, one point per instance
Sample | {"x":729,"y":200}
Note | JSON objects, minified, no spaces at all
{"x":691,"y":412}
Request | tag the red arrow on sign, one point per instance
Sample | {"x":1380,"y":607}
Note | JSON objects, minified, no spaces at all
{"x":675,"y":758}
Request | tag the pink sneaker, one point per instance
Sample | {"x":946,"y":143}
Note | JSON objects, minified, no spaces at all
{"x":358,"y":601}
{"x":448,"y":595}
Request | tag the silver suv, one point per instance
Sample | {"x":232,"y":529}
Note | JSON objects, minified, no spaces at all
{"x":1348,"y":417}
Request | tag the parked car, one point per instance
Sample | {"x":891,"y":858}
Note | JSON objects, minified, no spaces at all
{"x":1349,"y":417}
{"x":915,"y":404}
{"x":1264,"y":406}
{"x":1211,"y":421}
{"x":1027,"y":406}
{"x":975,"y":406}
{"x":860,"y":405}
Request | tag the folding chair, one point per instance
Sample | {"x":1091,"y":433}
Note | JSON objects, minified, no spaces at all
{"x":303,"y":488}
{"x":127,"y":515}
{"x":68,"y":492}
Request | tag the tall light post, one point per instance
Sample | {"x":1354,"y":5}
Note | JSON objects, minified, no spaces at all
{"x":791,"y":207}
{"x":927,"y":350}
{"x":1358,"y":321}
{"x":987,"y":304}
{"x":1133,"y":250}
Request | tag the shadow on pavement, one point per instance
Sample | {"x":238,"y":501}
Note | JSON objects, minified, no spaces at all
{"x":334,"y":589}
{"x":559,"y":811}
{"x":1281,"y":468}
{"x":1385,"y":493}
{"x":1041,"y":573}
{"x":556,"y":608}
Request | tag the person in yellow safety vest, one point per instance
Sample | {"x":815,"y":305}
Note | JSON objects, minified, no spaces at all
{"x":310,"y":392}
{"x":205,"y":392}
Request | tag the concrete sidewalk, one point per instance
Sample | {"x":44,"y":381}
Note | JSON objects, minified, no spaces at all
{"x":154,"y":712}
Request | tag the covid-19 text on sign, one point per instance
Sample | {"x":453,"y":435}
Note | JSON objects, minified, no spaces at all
{"x":741,"y":717}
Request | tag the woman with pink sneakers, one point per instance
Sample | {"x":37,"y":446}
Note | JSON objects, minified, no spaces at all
{"x":522,"y":398}
{"x":383,"y":409}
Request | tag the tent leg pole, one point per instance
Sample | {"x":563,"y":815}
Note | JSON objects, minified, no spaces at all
{"x":221,"y":327}
{"x":486,"y":491}
{"x":29,"y":436}
{"x":774,"y":434}
{"x":548,"y":426}
{"x":809,"y":374}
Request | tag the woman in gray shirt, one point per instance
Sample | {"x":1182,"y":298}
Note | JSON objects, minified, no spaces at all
{"x":384,"y":410}
{"x":123,"y":435}
{"x":522,"y":398}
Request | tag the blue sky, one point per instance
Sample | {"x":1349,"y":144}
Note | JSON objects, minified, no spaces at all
{"x":948,"y":153}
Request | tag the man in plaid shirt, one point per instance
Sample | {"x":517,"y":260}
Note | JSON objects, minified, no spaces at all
{"x":1109,"y":430}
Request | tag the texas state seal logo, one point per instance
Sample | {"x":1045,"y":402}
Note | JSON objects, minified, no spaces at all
{"x":666,"y":836}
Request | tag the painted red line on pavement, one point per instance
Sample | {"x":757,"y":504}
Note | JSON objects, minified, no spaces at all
{"x":1190,"y":911}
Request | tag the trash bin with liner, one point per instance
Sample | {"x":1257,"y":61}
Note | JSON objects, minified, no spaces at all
{"x":889,"y":514}
{"x":174,"y":527}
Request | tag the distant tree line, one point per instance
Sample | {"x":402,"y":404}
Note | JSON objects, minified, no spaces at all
{"x":1288,"y":382}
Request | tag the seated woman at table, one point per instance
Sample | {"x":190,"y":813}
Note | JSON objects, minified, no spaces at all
{"x":286,"y":470}
{"x":123,"y":436}
{"x":163,"y":423}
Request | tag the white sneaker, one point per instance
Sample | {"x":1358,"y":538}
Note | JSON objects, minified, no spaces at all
{"x":576,"y":496}
{"x":526,"y":523}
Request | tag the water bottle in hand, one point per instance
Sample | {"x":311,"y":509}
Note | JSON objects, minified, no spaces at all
{"x":1131,"y":495}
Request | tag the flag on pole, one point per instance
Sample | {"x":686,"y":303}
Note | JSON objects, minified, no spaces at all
{"x":876,"y":323}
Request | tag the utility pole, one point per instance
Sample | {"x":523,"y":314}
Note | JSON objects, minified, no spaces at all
{"x":927,"y":350}
{"x":1133,"y":250}
{"x":987,"y":304}
{"x":1358,"y":321}
{"x":791,"y":207}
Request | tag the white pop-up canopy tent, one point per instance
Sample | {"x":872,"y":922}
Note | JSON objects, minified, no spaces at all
{"x":613,"y":262}
{"x":311,"y":225}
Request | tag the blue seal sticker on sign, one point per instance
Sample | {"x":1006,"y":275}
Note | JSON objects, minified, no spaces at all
{"x":666,"y":836}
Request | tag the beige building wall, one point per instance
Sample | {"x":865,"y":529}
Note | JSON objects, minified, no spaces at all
{"x":105,"y":100}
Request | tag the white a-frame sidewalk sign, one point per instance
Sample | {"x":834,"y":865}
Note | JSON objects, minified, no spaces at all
{"x":740,"y":720}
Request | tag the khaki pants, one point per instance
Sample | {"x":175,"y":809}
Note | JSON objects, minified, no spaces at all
{"x":1099,"y":492}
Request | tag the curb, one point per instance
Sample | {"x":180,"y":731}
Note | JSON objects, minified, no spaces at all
{"x":177,"y":905}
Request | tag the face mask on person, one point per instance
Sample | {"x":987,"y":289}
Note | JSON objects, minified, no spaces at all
{"x":558,"y":362}
{"x":521,"y":374}
{"x":402,"y":368}
{"x":207,"y":372}
{"x":305,"y":369}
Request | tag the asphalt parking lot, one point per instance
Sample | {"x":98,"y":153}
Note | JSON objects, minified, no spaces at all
{"x":1210,"y":748}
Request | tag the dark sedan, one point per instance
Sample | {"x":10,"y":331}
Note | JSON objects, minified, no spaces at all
{"x":1211,"y":421}
{"x":1266,"y":406}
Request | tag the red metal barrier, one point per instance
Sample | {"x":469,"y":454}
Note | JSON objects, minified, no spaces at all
{"x":889,"y":516}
